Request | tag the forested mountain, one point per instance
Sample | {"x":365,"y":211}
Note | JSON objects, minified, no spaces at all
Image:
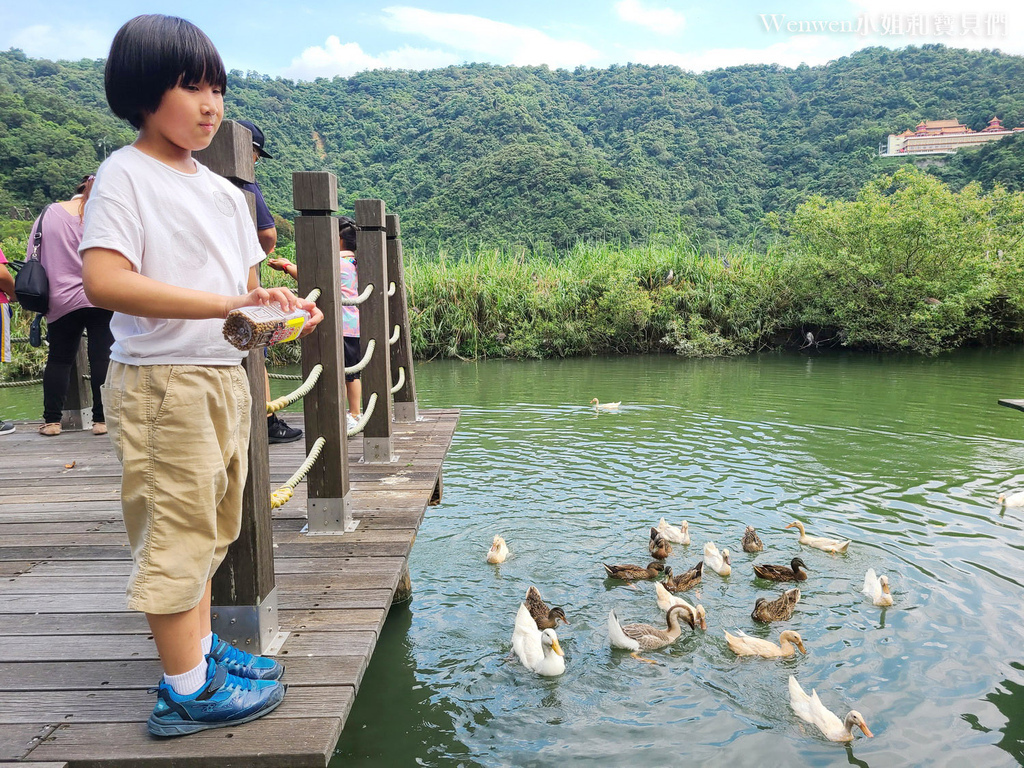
{"x":487,"y":154}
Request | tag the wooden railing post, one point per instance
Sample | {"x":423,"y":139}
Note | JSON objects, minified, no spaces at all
{"x":371,"y":250}
{"x":316,"y":253}
{"x":244,"y":594}
{"x":401,"y":351}
{"x":78,"y":403}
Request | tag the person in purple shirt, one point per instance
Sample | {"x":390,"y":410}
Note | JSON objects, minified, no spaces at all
{"x":70,"y":311}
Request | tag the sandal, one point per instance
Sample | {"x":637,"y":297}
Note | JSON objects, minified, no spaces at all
{"x":51,"y":429}
{"x":99,"y":428}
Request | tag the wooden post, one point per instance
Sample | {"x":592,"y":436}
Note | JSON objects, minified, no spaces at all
{"x":316,"y":253}
{"x":373,"y":324}
{"x":398,"y":308}
{"x":244,"y":596}
{"x":78,"y":403}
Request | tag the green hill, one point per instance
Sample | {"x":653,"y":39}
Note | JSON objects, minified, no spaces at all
{"x":487,"y":154}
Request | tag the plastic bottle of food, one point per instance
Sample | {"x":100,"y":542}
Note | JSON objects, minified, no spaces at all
{"x":252,"y":327}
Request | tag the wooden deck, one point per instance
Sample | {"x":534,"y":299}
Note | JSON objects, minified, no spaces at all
{"x":75,"y":665}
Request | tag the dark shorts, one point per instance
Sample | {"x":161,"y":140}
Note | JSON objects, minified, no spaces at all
{"x":352,"y":355}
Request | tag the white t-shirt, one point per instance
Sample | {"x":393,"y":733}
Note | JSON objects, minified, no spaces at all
{"x":189,"y":230}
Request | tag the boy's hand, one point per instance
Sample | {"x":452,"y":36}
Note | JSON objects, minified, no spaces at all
{"x":284,"y":298}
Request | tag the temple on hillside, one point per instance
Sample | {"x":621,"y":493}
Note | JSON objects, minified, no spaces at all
{"x":942,"y":137}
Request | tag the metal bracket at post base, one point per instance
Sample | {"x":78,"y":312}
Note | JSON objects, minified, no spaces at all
{"x":328,"y":516}
{"x":78,"y":419}
{"x":249,"y":627}
{"x":377,"y":450}
{"x":405,"y":412}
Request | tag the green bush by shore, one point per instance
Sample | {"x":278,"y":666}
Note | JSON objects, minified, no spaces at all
{"x":908,"y":266}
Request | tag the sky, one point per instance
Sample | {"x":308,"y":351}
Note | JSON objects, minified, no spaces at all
{"x":306,"y":39}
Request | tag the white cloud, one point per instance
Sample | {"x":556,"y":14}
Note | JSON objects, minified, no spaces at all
{"x":337,"y":58}
{"x":69,"y":43}
{"x":488,"y":40}
{"x":664,"y":21}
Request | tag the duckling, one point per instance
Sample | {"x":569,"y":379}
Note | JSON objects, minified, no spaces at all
{"x":776,"y":610}
{"x":751,"y":541}
{"x":644,"y":637}
{"x":782,"y":572}
{"x":715,"y":560}
{"x":635,"y":572}
{"x":658,"y":545}
{"x":545,"y":618}
{"x":666,"y":600}
{"x":877,"y":588}
{"x":538,"y":650}
{"x":498,"y":551}
{"x":1015,"y":499}
{"x":811,"y":710}
{"x":605,"y":406}
{"x":680,"y":535}
{"x":745,"y":645}
{"x":685,"y":581}
{"x":820,"y":542}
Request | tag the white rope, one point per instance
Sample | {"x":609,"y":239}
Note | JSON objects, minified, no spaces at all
{"x":364,"y":418}
{"x":313,"y":295}
{"x":282,"y":494}
{"x":283,"y":402}
{"x":358,"y":299}
{"x":288,"y":376}
{"x":25,"y":383}
{"x":401,"y":379}
{"x":391,"y":289}
{"x":366,"y":358}
{"x":394,"y":336}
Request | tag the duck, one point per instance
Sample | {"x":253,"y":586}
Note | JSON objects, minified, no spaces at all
{"x":751,"y":541}
{"x":877,"y":588}
{"x":680,"y":535}
{"x":1015,"y":499}
{"x":793,"y":572}
{"x":715,"y":560}
{"x":635,"y":572}
{"x":685,"y":581}
{"x":667,"y":600}
{"x":658,"y":545}
{"x":811,"y":710}
{"x":644,"y":637}
{"x":598,"y":406}
{"x":538,"y":650}
{"x":545,"y":618}
{"x":779,"y":609}
{"x":745,"y":645}
{"x":834,"y":546}
{"x":498,"y":551}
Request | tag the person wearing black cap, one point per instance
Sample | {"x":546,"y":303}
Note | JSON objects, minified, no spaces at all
{"x":277,"y":430}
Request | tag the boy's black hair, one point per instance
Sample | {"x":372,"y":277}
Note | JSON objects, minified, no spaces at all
{"x":150,"y":55}
{"x":347,"y":229}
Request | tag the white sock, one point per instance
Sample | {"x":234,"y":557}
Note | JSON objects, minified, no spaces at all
{"x":189,"y":682}
{"x":206,"y":644}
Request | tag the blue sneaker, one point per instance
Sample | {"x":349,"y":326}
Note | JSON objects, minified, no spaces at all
{"x":243,"y":664}
{"x":225,"y":700}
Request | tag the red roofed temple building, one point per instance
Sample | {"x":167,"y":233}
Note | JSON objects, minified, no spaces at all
{"x":942,"y":137}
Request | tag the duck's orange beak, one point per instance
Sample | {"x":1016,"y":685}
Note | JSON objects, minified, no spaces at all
{"x":867,"y":731}
{"x":558,"y":649}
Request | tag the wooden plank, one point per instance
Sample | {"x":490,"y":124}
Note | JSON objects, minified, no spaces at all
{"x":1018,"y":404}
{"x":18,"y":740}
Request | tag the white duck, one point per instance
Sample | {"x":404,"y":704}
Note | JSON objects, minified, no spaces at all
{"x":715,"y":560}
{"x":666,"y":600}
{"x":745,"y":645}
{"x":820,"y":542}
{"x":1015,"y":499}
{"x":811,"y":710}
{"x":538,"y":650}
{"x":877,"y":588}
{"x":599,"y":406}
{"x":680,"y":535}
{"x":498,"y":551}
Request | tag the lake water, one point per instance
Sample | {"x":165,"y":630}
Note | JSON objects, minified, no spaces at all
{"x":903,"y":455}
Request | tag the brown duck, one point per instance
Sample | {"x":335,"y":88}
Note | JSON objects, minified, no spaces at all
{"x":794,"y":572}
{"x":635,"y":572}
{"x":658,"y":546}
{"x":545,"y":618}
{"x":685,"y":581}
{"x":751,"y":541}
{"x":776,"y":610}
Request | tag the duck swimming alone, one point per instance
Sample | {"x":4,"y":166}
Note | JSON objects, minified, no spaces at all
{"x":498,"y":551}
{"x":834,"y":546}
{"x":598,"y":406}
{"x":811,"y":710}
{"x":877,"y":588}
{"x":751,"y":541}
{"x":717,"y":561}
{"x":1015,"y":499}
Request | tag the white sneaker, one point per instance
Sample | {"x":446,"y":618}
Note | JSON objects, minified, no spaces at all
{"x":352,"y":422}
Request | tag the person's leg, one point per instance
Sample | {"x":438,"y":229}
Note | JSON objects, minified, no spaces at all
{"x":177,"y":637}
{"x":354,"y":393}
{"x":64,"y":336}
{"x":97,"y":322}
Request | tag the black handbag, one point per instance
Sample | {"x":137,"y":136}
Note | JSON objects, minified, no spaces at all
{"x":31,"y":286}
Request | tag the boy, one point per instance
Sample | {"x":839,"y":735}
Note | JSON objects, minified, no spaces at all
{"x":176,"y":397}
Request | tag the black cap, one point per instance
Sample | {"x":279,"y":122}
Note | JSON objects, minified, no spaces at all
{"x":258,"y":139}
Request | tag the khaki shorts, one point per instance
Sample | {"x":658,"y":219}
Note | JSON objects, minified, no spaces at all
{"x":181,"y":433}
